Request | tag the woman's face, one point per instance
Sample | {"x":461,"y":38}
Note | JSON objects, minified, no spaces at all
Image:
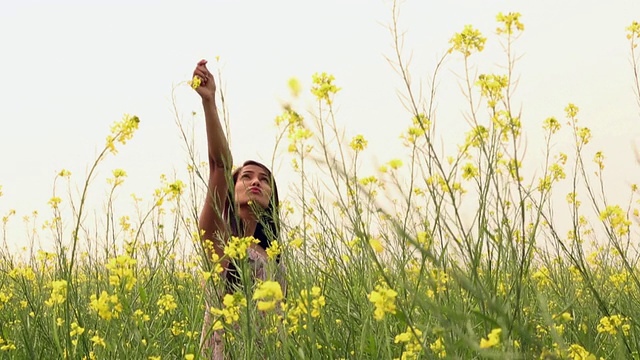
{"x":253,"y":184}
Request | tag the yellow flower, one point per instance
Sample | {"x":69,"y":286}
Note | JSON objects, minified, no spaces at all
{"x":166,"y":303}
{"x":611,"y":324}
{"x":7,"y":345}
{"x":438,"y":348}
{"x":231,"y":311}
{"x":195,"y":82}
{"x":358,"y":143}
{"x":58,"y":292}
{"x":577,"y":352}
{"x":237,"y":247}
{"x":510,"y":21}
{"x":383,"y":300}
{"x":317,"y":301}
{"x":492,"y":339}
{"x":97,"y":340}
{"x":64,"y":173}
{"x":633,"y":31}
{"x":273,"y":250}
{"x":139,"y":315}
{"x":76,"y":329}
{"x":412,"y":339}
{"x":54,"y":202}
{"x":189,"y":357}
{"x":565,"y":316}
{"x":376,"y":245}
{"x":323,"y":87}
{"x":467,"y":41}
{"x":268,"y":293}
{"x":295,"y":87}
{"x":107,"y":306}
{"x":395,"y":164}
{"x":121,"y":271}
{"x":469,"y":171}
{"x":297,"y":242}
{"x":122,"y":131}
{"x":617,"y":219}
{"x":551,"y":124}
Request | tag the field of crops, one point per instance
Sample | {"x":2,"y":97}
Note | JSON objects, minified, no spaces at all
{"x":378,"y":266}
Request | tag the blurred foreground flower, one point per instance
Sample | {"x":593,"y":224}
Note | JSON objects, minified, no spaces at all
{"x":492,"y":339}
{"x":268,"y":293}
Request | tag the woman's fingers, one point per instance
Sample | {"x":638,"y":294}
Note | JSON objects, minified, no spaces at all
{"x":206,"y":78}
{"x":202,"y":71}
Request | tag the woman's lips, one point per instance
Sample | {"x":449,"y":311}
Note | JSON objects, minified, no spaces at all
{"x":255,"y":190}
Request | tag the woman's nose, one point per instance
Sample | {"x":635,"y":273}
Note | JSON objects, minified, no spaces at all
{"x":255,"y":181}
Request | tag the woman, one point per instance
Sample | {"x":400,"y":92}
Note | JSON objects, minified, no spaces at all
{"x":248,"y":208}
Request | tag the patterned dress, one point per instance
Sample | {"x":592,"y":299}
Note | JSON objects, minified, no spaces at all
{"x":212,"y":343}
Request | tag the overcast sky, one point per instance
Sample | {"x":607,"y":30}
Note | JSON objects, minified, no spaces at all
{"x":68,"y":69}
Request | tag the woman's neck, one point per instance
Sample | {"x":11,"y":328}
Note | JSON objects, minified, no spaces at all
{"x":249,"y":221}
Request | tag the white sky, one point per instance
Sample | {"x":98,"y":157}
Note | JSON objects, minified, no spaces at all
{"x":68,"y":69}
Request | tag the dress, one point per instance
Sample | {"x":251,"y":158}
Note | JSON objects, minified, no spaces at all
{"x":212,"y":345}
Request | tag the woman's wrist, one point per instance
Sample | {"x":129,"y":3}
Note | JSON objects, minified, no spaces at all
{"x":209,"y":100}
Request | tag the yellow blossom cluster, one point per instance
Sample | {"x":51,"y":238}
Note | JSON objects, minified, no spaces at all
{"x":491,"y":87}
{"x":236,"y":247}
{"x":614,"y":323}
{"x":195,"y":82}
{"x":268,"y":293}
{"x":118,"y":177}
{"x":296,"y":316}
{"x":511,"y":22}
{"x":491,"y":340}
{"x":231,"y":311}
{"x":420,"y":124}
{"x":58,"y":293}
{"x":5,"y":296}
{"x":317,"y":301}
{"x":617,"y":219}
{"x":358,"y":143}
{"x":551,"y":124}
{"x":107,"y":306}
{"x":6,"y":345}
{"x":439,"y":280}
{"x":166,"y":303}
{"x":467,"y":41}
{"x":273,"y":250}
{"x":438,"y":348}
{"x":121,"y":271}
{"x":323,"y":87}
{"x":412,"y":339}
{"x":76,"y":331}
{"x":384,"y":301}
{"x":577,"y":352}
{"x":542,"y":277}
{"x":122,"y":131}
{"x":633,"y":31}
{"x":376,"y":245}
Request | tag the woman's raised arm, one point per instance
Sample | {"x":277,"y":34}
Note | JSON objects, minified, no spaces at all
{"x":211,"y":220}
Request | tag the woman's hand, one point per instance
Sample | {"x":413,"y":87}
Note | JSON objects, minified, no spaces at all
{"x":207,"y":88}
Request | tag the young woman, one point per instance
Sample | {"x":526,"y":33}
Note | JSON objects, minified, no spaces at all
{"x":241,"y":204}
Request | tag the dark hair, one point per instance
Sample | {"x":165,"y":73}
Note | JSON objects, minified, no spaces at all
{"x":268,"y":227}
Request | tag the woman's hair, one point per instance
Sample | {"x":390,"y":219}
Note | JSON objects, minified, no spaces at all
{"x":268,"y":227}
